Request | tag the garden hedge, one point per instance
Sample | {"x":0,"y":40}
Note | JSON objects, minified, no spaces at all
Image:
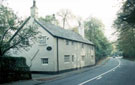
{"x":13,"y":69}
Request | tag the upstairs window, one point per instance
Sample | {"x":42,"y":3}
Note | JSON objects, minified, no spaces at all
{"x":92,"y":48}
{"x":67,"y":42}
{"x":82,"y":45}
{"x":42,"y":40}
{"x":25,"y":41}
{"x":72,"y":42}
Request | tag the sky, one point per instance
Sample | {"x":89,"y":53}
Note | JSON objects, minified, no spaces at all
{"x":105,"y":10}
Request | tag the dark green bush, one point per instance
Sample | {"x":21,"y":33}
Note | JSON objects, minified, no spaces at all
{"x":13,"y":68}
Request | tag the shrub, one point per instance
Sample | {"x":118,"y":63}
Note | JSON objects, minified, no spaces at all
{"x":13,"y":68}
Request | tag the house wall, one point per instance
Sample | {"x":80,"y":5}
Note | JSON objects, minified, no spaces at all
{"x":39,"y":51}
{"x":44,"y":53}
{"x":76,"y":50}
{"x":56,"y":57}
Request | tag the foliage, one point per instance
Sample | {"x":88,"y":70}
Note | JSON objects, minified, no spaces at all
{"x":12,"y":33}
{"x":50,"y":19}
{"x":125,"y":25}
{"x":66,"y":16}
{"x":63,"y":18}
{"x":13,"y":68}
{"x":94,"y":32}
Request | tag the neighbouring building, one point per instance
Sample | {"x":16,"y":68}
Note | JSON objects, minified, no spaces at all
{"x":56,"y":49}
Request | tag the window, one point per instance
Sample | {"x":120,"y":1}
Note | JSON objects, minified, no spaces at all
{"x":92,"y":56}
{"x":44,"y":60}
{"x":92,"y":48}
{"x":83,"y":58}
{"x":67,"y":42}
{"x":15,"y":51}
{"x":25,"y":41}
{"x":66,"y":58}
{"x":49,"y":48}
{"x":42,"y":39}
{"x":82,"y":45}
{"x":72,"y":43}
{"x":73,"y":58}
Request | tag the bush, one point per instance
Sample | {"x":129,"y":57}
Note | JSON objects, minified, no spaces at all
{"x":13,"y":68}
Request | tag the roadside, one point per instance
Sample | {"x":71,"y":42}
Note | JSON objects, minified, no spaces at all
{"x":103,"y":61}
{"x":41,"y":78}
{"x":131,"y":59}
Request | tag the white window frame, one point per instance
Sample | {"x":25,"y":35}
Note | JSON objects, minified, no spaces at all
{"x":66,"y":58}
{"x":25,"y":41}
{"x":67,"y":42}
{"x":72,"y":42}
{"x":42,"y":40}
{"x":73,"y":58}
{"x":92,"y":56}
{"x":44,"y":62}
{"x":82,"y":45}
{"x":83,"y":58}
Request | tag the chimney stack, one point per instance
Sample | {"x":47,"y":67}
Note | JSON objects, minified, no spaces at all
{"x":34,"y":10}
{"x":81,"y":29}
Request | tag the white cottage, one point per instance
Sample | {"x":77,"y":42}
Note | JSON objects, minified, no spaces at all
{"x":57,"y":49}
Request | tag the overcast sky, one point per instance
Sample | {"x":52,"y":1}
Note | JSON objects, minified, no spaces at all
{"x":105,"y":10}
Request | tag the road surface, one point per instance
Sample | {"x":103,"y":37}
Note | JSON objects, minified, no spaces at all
{"x":116,"y":71}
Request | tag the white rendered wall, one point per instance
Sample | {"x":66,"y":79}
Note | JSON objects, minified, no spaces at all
{"x":63,"y":49}
{"x":78,"y":52}
{"x":42,"y":53}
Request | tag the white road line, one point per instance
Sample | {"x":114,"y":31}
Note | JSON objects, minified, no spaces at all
{"x":99,"y":77}
{"x":101,"y":74}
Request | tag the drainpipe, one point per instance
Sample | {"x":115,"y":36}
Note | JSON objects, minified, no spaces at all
{"x":57,"y":55}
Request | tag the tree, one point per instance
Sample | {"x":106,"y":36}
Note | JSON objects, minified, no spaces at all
{"x":12,"y":31}
{"x":66,"y":16}
{"x":125,"y":25}
{"x":94,"y":32}
{"x":50,"y":19}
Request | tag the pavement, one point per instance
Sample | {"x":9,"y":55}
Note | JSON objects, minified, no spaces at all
{"x":38,"y":79}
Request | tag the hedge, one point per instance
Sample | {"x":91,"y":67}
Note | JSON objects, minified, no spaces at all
{"x":13,"y":69}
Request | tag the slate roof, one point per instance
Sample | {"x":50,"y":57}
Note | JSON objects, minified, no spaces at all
{"x":62,"y":33}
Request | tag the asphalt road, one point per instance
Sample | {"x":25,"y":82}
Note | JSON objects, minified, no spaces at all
{"x":115,"y":72}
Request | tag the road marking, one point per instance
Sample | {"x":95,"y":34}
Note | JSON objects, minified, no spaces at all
{"x":113,"y":70}
{"x":101,"y":74}
{"x":99,"y":77}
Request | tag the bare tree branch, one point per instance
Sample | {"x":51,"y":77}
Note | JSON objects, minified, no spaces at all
{"x":1,"y":41}
{"x":19,"y":29}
